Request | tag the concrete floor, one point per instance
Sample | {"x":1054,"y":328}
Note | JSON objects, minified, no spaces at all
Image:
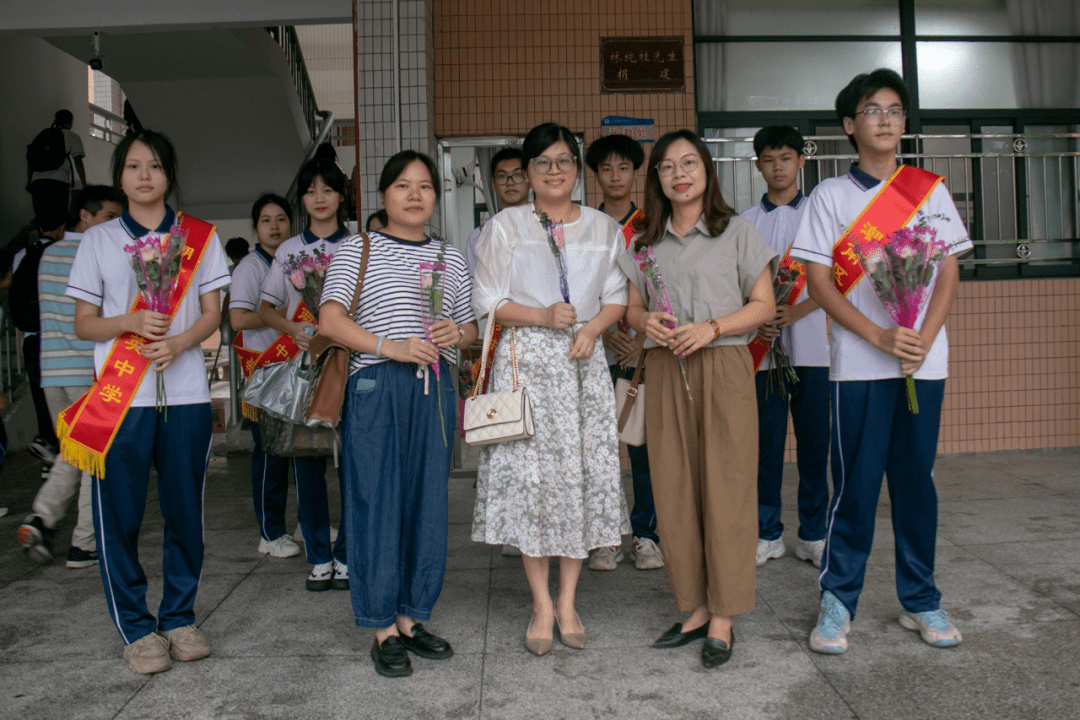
{"x":1008,"y":565}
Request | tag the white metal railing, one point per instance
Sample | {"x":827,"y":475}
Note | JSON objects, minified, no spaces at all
{"x":106,"y":125}
{"x":1017,"y":196}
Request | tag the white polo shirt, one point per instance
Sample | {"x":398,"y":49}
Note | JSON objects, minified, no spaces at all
{"x":276,"y":289}
{"x":807,"y":341}
{"x":834,"y":205}
{"x":102,"y":275}
{"x":74,"y":148}
{"x":245,"y":293}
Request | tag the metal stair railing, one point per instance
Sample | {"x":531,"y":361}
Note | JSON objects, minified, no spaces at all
{"x":285,"y":37}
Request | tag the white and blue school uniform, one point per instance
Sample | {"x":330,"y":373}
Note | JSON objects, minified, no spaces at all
{"x":310,"y":472}
{"x":873,"y":432}
{"x":176,"y":442}
{"x":807,"y":343}
{"x":395,"y":463}
{"x":269,"y":473}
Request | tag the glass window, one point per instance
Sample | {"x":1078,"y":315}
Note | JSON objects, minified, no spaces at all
{"x":966,"y":75}
{"x":795,"y":17}
{"x":784,"y":76}
{"x":961,"y":17}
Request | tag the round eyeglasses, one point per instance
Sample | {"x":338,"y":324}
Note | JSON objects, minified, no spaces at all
{"x":543,"y":165}
{"x":688,"y":164}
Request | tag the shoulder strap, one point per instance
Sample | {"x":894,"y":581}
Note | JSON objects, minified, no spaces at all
{"x":320,"y":343}
{"x":632,"y":390}
{"x":488,"y":334}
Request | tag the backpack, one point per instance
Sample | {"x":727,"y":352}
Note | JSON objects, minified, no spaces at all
{"x":23,"y":294}
{"x":48,"y":151}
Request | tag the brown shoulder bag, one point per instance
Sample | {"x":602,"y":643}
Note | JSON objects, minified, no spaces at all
{"x":330,"y":363}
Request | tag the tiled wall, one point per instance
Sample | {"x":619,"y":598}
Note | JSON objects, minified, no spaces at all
{"x":1014,"y":368}
{"x":504,"y":66}
{"x":375,"y":88}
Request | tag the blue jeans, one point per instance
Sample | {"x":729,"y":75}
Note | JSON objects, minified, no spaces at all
{"x":810,"y":415}
{"x":874,"y":434}
{"x":643,"y":516}
{"x":396,"y":468}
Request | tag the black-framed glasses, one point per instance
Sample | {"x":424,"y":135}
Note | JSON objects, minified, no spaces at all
{"x":543,"y":164}
{"x":877,"y":114}
{"x":688,"y":164}
{"x":515,"y":178}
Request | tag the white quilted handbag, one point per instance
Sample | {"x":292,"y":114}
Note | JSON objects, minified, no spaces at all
{"x":503,"y":415}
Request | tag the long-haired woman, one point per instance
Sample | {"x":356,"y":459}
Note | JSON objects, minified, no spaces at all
{"x":701,"y":407}
{"x":557,"y":493}
{"x":321,"y":188}
{"x":398,"y":423}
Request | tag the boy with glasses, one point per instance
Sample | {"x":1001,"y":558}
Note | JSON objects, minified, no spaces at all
{"x":511,"y":186}
{"x":801,"y":329}
{"x":873,"y":431}
{"x":616,"y":160}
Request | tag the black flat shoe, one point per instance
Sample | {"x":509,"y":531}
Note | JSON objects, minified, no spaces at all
{"x":675,"y":637}
{"x":426,"y":645}
{"x":715,"y":653}
{"x":390,"y":658}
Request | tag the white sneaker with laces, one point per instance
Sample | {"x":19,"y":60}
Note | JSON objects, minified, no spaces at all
{"x":934,"y":626}
{"x":605,"y":558}
{"x":646,"y":554}
{"x":829,"y":636}
{"x":283,"y":547}
{"x":769,"y":549}
{"x":811,"y":550}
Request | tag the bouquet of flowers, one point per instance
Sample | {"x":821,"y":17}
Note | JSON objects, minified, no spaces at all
{"x":432,"y":291}
{"x":306,"y":273}
{"x":901,"y":269}
{"x":782,"y":372}
{"x":651,"y":270}
{"x":557,"y":243}
{"x":156,"y":262}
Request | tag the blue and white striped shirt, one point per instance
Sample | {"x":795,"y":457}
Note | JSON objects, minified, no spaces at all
{"x":66,"y":361}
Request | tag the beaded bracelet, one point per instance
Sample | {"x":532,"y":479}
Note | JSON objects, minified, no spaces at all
{"x":716,"y":328}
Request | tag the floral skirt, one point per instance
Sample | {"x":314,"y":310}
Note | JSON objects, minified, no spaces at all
{"x":560,"y":491}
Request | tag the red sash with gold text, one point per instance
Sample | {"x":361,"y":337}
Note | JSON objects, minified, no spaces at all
{"x":282,"y":349}
{"x":760,"y":348}
{"x":88,"y":427}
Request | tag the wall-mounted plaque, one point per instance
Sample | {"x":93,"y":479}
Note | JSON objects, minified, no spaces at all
{"x":642,"y":64}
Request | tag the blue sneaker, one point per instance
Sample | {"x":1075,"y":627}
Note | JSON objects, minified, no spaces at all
{"x":830,"y":634}
{"x":935,"y":627}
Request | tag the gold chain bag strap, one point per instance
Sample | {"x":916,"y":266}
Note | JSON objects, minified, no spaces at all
{"x":330,"y":362}
{"x":503,"y":415}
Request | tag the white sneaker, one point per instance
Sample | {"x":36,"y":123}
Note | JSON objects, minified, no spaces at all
{"x":829,"y":636}
{"x":934,"y":626}
{"x":511,"y":551}
{"x":341,"y":576}
{"x":769,"y":549}
{"x":809,"y":550}
{"x":646,"y":554}
{"x":319,"y":579}
{"x":283,"y":547}
{"x":605,"y":558}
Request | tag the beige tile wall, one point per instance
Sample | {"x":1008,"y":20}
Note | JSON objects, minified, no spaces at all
{"x":505,"y":66}
{"x":1014,"y":368}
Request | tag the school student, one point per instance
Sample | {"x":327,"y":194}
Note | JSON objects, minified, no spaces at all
{"x":873,"y":431}
{"x":616,"y":160}
{"x":802,"y":333}
{"x":256,"y":344}
{"x":511,"y":186}
{"x":123,"y":424}
{"x":67,"y":371}
{"x":321,"y":187}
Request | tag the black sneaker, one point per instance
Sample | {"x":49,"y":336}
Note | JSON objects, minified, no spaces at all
{"x":79,"y":558}
{"x":36,"y":538}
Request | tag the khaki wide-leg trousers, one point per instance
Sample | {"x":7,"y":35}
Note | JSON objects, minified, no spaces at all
{"x":703,"y":460}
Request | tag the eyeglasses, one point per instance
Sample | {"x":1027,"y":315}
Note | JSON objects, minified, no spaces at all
{"x":893,"y":114}
{"x":513,"y":178}
{"x":688,"y":164}
{"x":565,"y":163}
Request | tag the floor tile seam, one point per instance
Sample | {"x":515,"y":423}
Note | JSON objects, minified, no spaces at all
{"x":1029,"y":588}
{"x":243,"y":576}
{"x":805,"y":649}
